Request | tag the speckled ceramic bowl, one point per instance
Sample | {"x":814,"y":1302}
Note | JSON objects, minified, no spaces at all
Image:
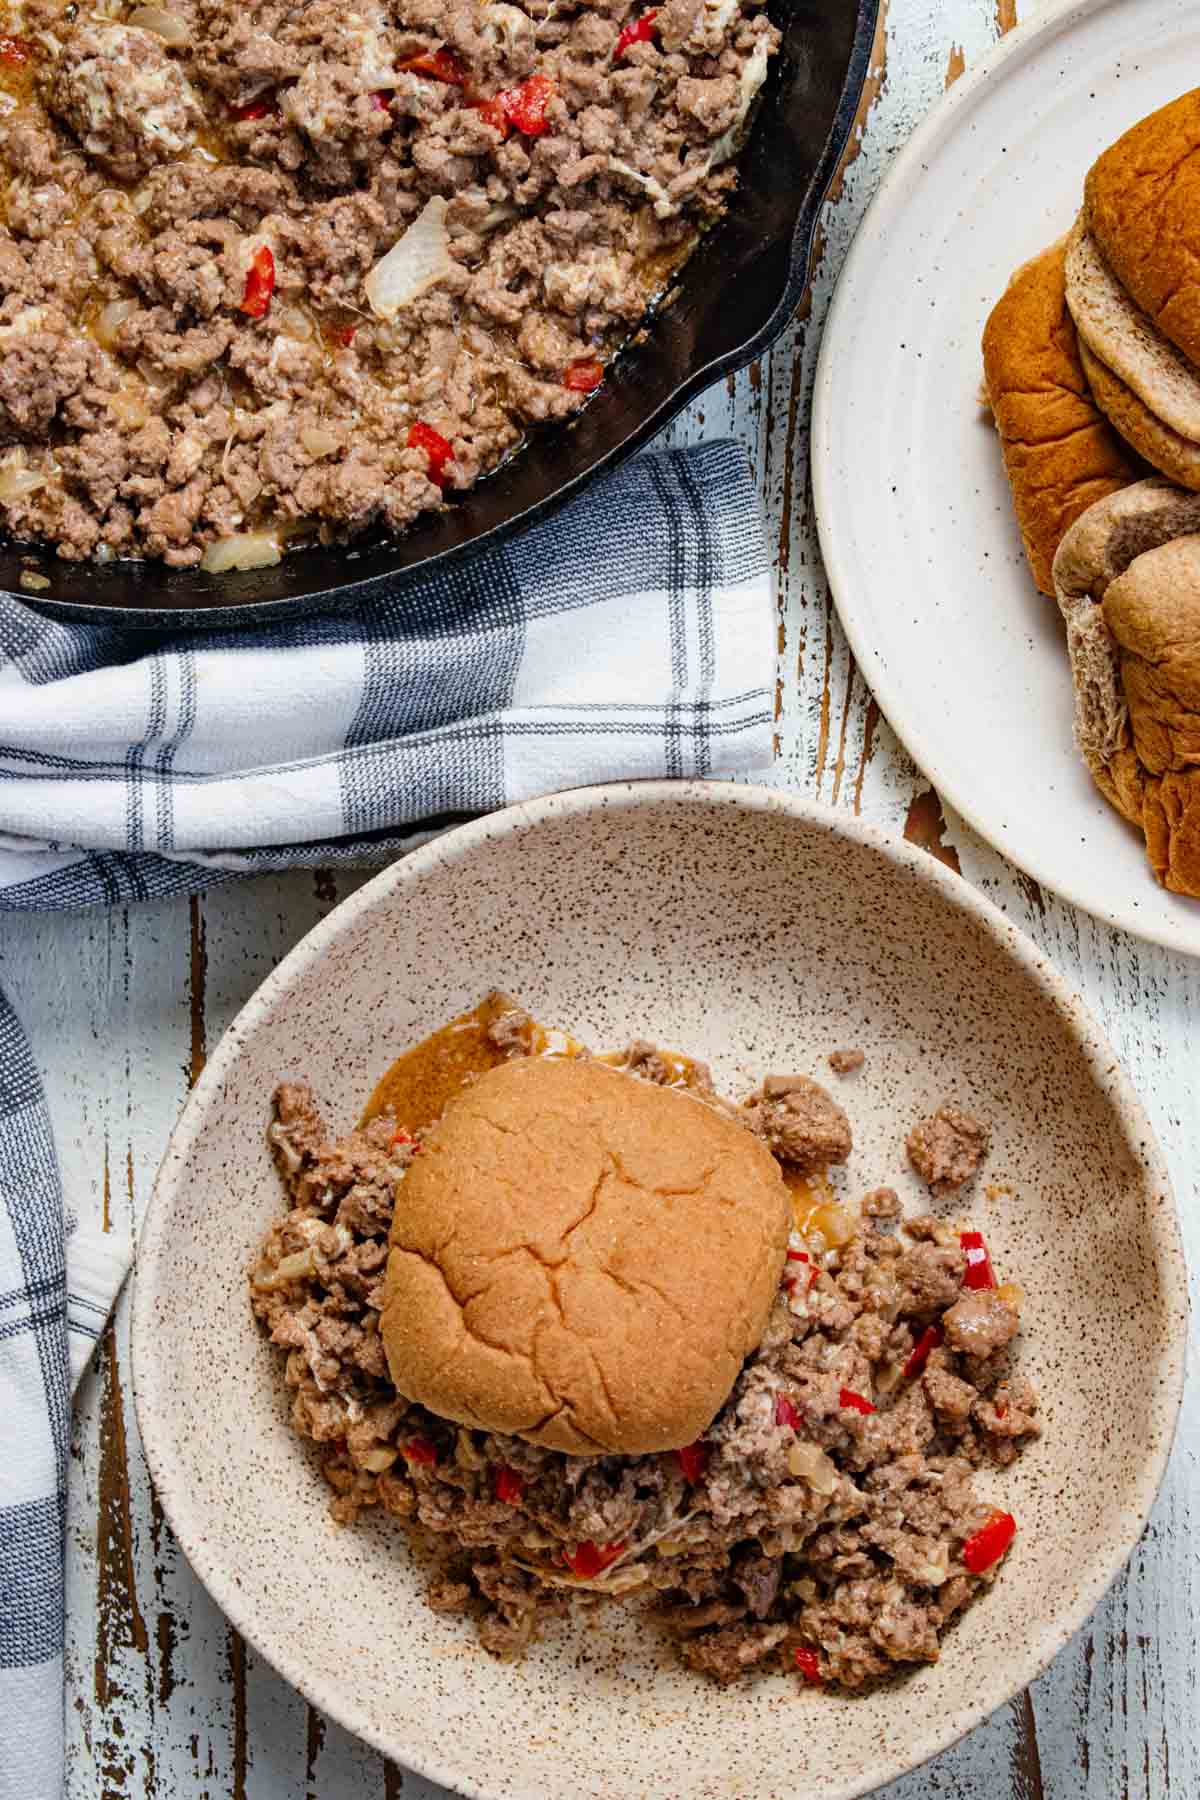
{"x":759,"y":932}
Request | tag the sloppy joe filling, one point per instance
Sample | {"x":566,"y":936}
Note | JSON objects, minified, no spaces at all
{"x":826,"y":1523}
{"x":287,"y":271}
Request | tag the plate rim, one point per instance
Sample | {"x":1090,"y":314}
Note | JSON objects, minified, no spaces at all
{"x":153,"y":1246}
{"x":1024,"y":44}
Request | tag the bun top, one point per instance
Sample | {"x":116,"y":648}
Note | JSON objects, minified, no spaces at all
{"x":1142,"y":202}
{"x":1128,"y":576}
{"x":1060,"y":453}
{"x":582,"y":1259}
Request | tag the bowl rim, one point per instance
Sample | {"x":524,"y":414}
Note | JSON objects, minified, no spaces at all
{"x":201,"y":1549}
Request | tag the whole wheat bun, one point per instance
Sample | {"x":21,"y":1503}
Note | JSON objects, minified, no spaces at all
{"x":1126,"y":341}
{"x":582,"y":1259}
{"x":1142,"y":204}
{"x":1060,"y":453}
{"x":1128,"y":581}
{"x":1164,"y":449}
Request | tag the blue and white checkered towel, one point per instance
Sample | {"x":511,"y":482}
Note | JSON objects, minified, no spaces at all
{"x":633,"y":635}
{"x":630,"y":636}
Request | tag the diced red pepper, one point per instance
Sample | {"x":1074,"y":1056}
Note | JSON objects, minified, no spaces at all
{"x":979,"y":1263}
{"x":588,"y":1559}
{"x":525,"y":105}
{"x":260,"y":283}
{"x":693,"y":1460}
{"x":15,"y":50}
{"x":400,"y":1136}
{"x":438,"y":449}
{"x":785,"y":1413}
{"x":346,"y":335}
{"x":929,"y":1340}
{"x":381,"y":102}
{"x":419,"y":1450}
{"x":493,"y":112}
{"x":989,"y":1542}
{"x":583,"y":376}
{"x":638,"y":31}
{"x":439,"y":65}
{"x":806,"y":1662}
{"x":797,"y":1256}
{"x":262,"y":108}
{"x":1001,"y":1410}
{"x":509,"y":1486}
{"x":856,"y":1402}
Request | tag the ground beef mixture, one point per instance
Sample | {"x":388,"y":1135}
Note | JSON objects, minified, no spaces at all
{"x":827,"y":1521}
{"x":947,"y":1149}
{"x":289,"y":270}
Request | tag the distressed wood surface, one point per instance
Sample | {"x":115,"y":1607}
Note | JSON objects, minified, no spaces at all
{"x":164,"y":1700}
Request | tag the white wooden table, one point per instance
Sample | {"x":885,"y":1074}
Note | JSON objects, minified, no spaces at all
{"x":164,"y":1699}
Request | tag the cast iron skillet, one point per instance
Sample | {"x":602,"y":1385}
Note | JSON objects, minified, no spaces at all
{"x":732,"y":300}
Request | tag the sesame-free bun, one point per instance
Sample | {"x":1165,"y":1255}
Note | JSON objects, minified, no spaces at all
{"x":1120,"y":335}
{"x":1128,"y":580}
{"x":1161,"y":446}
{"x":1142,"y":204}
{"x":582,"y":1259}
{"x":1060,"y":452}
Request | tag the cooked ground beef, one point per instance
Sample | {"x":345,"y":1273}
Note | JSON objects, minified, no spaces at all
{"x":947,"y":1148}
{"x":825,"y":1510}
{"x":845,"y":1062}
{"x":195,"y":343}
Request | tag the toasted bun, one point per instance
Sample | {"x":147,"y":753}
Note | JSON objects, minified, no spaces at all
{"x":582,"y":1259}
{"x":1142,"y":202}
{"x":1125,"y":341}
{"x":1060,"y":453}
{"x":1164,"y":449}
{"x":1128,"y":583}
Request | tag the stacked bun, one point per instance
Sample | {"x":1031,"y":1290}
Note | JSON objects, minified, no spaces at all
{"x":1092,"y":364}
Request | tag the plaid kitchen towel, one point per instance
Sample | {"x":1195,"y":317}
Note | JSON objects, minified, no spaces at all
{"x":632,"y":635}
{"x":47,"y":1334}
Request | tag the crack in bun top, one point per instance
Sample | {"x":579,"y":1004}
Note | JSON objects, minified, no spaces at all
{"x":582,"y":1259}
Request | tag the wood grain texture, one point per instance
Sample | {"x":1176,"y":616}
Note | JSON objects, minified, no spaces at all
{"x":164,"y":1699}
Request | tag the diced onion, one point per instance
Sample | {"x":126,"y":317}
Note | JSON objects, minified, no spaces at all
{"x":508,"y":25}
{"x":128,"y":408}
{"x":752,"y":77}
{"x":110,"y":319}
{"x":294,"y":320}
{"x":808,"y":1462}
{"x":289,"y":1268}
{"x":376,"y":1461}
{"x":664,"y":206}
{"x":416,"y":261}
{"x":318,"y":442}
{"x":166,"y":25}
{"x":17,"y":483}
{"x":244,"y":550}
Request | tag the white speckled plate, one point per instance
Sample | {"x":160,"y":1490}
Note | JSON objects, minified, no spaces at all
{"x":963,"y":654}
{"x":760,"y":932}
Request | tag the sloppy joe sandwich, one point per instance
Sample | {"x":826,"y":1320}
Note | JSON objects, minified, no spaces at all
{"x":582,"y":1259}
{"x":586,"y":1327}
